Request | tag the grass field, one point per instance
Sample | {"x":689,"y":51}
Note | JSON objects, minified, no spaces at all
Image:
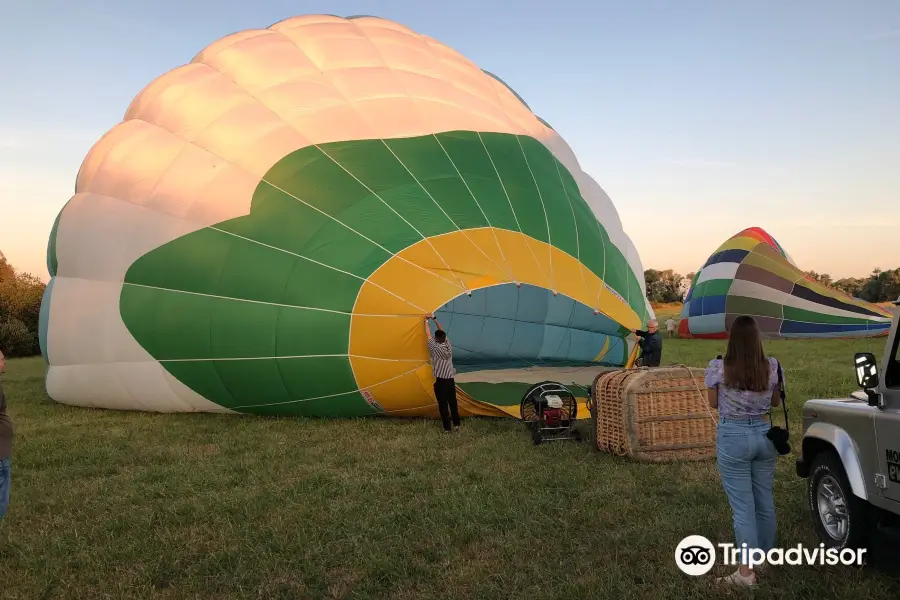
{"x":129,"y":505}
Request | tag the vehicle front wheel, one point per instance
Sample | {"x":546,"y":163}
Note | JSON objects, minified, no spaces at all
{"x":839,"y":515}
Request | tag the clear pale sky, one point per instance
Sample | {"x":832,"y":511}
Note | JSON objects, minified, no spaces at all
{"x":698,"y":118}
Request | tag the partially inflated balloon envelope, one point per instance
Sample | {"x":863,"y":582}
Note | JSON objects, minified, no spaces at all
{"x":751,"y":274}
{"x":268,"y":226}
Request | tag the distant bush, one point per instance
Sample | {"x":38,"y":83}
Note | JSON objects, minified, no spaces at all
{"x":879,"y":286}
{"x":20,"y":310}
{"x":666,"y":287}
{"x":16,"y":339}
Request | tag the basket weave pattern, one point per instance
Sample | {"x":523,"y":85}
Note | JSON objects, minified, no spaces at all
{"x":654,"y":415}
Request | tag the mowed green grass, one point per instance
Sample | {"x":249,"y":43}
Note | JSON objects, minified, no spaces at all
{"x":129,"y":505}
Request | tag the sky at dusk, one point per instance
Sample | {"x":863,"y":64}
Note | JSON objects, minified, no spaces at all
{"x":699,"y":119}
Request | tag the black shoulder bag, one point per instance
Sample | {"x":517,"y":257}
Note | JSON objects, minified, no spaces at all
{"x":780,"y":437}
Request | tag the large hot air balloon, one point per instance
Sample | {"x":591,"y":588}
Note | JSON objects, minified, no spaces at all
{"x":267,"y":227}
{"x":751,"y":274}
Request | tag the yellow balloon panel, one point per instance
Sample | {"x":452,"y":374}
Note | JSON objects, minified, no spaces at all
{"x":404,"y":338}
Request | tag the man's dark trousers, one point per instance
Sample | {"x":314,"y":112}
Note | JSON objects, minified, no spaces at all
{"x":445,"y":392}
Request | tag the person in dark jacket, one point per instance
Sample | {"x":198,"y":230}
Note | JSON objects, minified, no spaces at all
{"x":651,"y":344}
{"x":6,"y":434}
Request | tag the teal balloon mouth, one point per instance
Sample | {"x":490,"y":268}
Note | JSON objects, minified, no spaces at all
{"x":511,"y":327}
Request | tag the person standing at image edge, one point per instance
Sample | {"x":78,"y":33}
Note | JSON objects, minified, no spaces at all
{"x":442,"y":366}
{"x":743,"y":386}
{"x":651,"y":344}
{"x":6,"y":436}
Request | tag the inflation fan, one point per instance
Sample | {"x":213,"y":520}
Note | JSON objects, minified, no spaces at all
{"x":550,"y":410}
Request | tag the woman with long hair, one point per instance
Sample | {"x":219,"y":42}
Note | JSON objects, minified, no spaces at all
{"x":744,"y":386}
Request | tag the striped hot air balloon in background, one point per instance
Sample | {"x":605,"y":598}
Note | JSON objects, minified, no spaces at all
{"x":751,"y":274}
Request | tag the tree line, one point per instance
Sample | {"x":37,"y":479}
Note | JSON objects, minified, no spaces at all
{"x":668,"y":286}
{"x":20,"y":311}
{"x":879,"y":286}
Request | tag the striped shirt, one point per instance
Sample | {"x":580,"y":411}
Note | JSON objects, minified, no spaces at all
{"x":441,"y":358}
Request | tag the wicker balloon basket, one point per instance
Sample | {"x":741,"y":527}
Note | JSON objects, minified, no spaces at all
{"x":654,"y":414}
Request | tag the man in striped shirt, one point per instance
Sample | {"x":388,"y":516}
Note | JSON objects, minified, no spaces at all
{"x":442,"y":365}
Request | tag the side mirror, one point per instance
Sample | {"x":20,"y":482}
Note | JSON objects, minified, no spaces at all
{"x":866,"y":370}
{"x":867,"y":374}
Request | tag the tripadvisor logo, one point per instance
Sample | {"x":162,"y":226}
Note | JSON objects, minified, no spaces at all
{"x":696,"y":555}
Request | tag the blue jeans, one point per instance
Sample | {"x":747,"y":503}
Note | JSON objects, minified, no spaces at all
{"x":4,"y":486}
{"x":746,"y":459}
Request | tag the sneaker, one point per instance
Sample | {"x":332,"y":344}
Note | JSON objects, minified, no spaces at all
{"x":737,"y":579}
{"x":456,"y":428}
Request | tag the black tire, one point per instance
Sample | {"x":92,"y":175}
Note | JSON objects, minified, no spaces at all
{"x":536,"y":436}
{"x":576,"y":434}
{"x":827,"y":471}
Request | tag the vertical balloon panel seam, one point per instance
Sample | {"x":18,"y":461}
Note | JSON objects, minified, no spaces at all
{"x":575,"y":223}
{"x":362,"y":279}
{"x":278,"y":368}
{"x":543,"y":206}
{"x":393,"y":255}
{"x":391,"y":208}
{"x":568,"y":326}
{"x":500,"y":180}
{"x":487,"y":220}
{"x":509,"y":200}
{"x":452,"y":80}
{"x":416,"y":179}
{"x":347,"y":393}
{"x":603,"y":274}
{"x":513,"y":336}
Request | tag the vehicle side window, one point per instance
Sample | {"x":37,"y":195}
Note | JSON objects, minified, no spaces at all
{"x":892,"y":376}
